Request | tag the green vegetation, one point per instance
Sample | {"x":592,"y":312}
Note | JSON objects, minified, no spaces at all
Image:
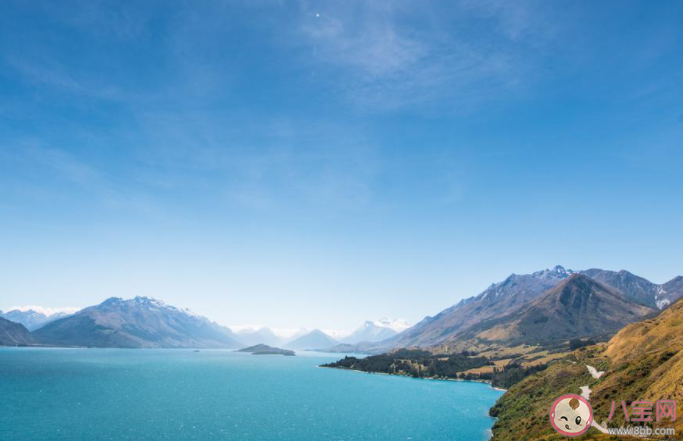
{"x":465,"y":365}
{"x":644,"y":361}
{"x":414,"y":363}
{"x":522,"y":412}
{"x":513,"y":374}
{"x":578,"y":343}
{"x":262,"y":349}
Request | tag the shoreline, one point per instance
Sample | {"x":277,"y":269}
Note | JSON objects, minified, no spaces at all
{"x":419,"y":378}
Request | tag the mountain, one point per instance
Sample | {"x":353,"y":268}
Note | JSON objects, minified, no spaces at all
{"x":634,"y":287}
{"x":638,"y":288}
{"x":31,"y":318}
{"x":643,"y":361}
{"x":514,"y":294}
{"x":497,"y":300}
{"x":316,"y":339}
{"x":669,"y":292}
{"x":13,"y":334}
{"x":142,"y":322}
{"x":263,"y":336}
{"x":376,"y":331}
{"x":577,"y":307}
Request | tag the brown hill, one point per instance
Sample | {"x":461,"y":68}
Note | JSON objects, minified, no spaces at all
{"x":644,"y":361}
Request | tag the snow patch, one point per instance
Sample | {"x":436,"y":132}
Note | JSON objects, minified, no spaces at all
{"x":586,"y":392}
{"x":661,"y":304}
{"x":397,"y":325}
{"x":594,"y":372}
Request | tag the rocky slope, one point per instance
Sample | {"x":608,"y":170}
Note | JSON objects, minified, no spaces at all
{"x":497,"y":300}
{"x":577,"y":307}
{"x":13,"y":334}
{"x":516,"y":294}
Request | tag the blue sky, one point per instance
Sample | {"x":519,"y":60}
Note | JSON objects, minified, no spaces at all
{"x":320,"y":163}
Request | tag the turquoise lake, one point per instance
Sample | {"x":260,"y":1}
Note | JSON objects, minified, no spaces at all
{"x":118,"y":394}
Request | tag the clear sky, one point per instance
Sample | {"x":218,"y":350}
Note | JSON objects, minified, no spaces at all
{"x":320,"y":163}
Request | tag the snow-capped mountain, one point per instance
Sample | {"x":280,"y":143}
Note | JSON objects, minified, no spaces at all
{"x":34,"y":317}
{"x":142,"y":322}
{"x":376,"y":331}
{"x":398,"y":325}
{"x":495,"y":301}
{"x":369,"y":332}
{"x":517,"y":292}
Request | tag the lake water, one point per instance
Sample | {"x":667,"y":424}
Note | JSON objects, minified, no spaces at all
{"x":117,"y":394}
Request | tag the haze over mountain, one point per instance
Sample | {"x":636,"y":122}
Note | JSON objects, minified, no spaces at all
{"x":142,"y":322}
{"x":376,"y":331}
{"x":33,"y":319}
{"x":316,"y":339}
{"x":264,"y":336}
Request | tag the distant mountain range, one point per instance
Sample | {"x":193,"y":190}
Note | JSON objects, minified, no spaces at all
{"x":314,"y":340}
{"x":145,"y":322}
{"x":543,"y":307}
{"x":264,"y":336}
{"x":142,"y":322}
{"x":373,"y":332}
{"x":32,"y":319}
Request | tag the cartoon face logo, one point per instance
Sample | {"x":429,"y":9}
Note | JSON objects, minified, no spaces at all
{"x":571,"y":415}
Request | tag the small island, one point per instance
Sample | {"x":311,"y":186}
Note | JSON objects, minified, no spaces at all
{"x":267,"y":350}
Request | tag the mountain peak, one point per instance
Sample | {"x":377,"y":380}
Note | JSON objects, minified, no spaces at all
{"x":557,"y":272}
{"x":112,"y":301}
{"x":151,"y":302}
{"x":316,"y":339}
{"x":134,"y":323}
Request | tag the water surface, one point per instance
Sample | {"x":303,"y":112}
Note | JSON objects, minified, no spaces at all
{"x":118,"y":394}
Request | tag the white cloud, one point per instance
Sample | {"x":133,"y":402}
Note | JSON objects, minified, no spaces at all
{"x":396,"y":54}
{"x":337,"y":334}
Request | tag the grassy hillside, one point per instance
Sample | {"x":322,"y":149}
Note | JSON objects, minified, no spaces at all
{"x":643,"y":361}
